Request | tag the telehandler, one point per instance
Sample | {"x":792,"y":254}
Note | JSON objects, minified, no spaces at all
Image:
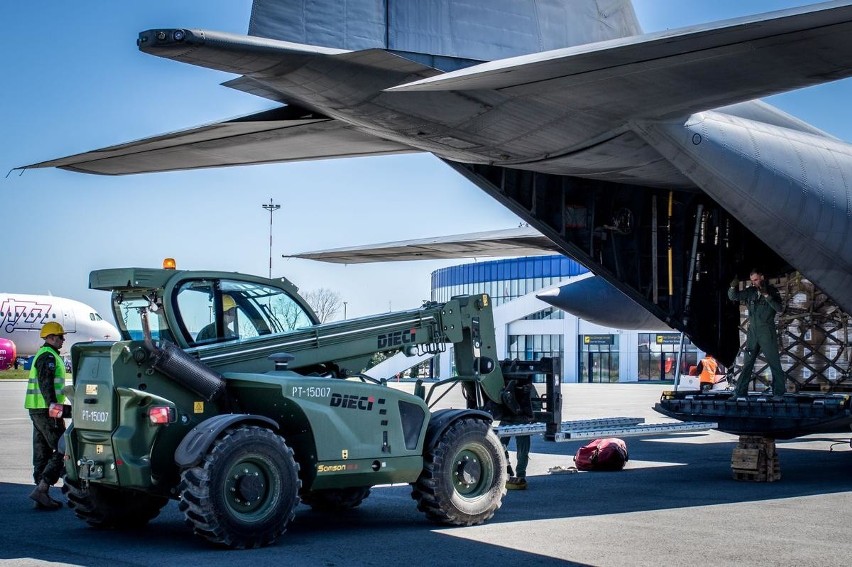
{"x":268,"y":407}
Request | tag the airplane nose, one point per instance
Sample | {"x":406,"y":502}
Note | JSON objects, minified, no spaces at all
{"x":548,"y":294}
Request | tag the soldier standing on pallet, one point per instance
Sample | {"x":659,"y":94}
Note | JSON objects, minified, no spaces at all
{"x":764,"y":302}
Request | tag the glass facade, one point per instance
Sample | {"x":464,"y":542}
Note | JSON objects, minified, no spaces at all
{"x":503,"y":280}
{"x":549,"y":314}
{"x":589,"y":352}
{"x":658,"y":356}
{"x":599,"y":358}
{"x":534,"y":347}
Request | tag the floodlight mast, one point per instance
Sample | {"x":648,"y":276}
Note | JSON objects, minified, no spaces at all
{"x":271,"y":208}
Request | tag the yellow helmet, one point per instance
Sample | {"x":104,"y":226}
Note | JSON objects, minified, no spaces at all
{"x":51,"y":328}
{"x":228,"y":302}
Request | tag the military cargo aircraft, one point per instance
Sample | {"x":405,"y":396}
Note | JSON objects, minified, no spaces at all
{"x":643,"y":156}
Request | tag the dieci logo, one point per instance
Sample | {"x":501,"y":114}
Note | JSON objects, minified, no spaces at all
{"x":396,"y":339}
{"x":352,"y":402}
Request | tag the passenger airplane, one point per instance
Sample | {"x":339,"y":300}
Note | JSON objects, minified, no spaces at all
{"x":645,"y":157}
{"x":22,"y":317}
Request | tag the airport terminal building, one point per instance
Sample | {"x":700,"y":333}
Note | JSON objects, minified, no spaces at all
{"x":528,"y":328}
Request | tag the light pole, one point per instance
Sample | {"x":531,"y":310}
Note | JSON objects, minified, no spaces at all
{"x":344,"y":310}
{"x":271,"y":208}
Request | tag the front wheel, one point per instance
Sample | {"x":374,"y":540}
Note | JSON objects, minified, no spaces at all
{"x":464,"y":476}
{"x":245,"y":491}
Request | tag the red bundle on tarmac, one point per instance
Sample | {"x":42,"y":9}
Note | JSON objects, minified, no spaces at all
{"x":608,"y":454}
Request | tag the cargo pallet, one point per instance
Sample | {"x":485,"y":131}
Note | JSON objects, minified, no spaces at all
{"x":791,"y":416}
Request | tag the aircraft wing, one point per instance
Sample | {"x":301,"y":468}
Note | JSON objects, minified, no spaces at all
{"x":592,"y":299}
{"x":678,"y":72}
{"x":523,"y":241}
{"x":561,"y":100}
{"x":284,"y":134}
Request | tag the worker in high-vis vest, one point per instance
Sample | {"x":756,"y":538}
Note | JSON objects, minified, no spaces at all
{"x":708,"y":369}
{"x":45,"y":401}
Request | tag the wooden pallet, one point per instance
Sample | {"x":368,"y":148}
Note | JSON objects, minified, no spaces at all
{"x":755,"y":459}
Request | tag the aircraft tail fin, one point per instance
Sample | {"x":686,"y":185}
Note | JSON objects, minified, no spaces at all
{"x":476,"y":30}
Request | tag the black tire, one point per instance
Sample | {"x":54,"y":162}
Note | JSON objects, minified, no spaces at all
{"x":245,"y":491}
{"x":106,"y":507}
{"x":464,"y":475}
{"x":336,"y":499}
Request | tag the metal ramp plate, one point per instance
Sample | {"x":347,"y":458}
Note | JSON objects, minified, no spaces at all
{"x":605,"y":427}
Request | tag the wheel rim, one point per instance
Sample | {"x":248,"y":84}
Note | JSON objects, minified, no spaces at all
{"x":249,"y":490}
{"x":472,"y":471}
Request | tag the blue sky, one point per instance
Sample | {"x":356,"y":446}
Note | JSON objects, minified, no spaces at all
{"x":73,"y":81}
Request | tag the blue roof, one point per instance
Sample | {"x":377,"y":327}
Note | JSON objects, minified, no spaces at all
{"x":556,"y":266}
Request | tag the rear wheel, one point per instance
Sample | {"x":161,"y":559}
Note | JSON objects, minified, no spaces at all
{"x":245,"y":491}
{"x":336,"y":499}
{"x":106,"y":507}
{"x":464,"y":475}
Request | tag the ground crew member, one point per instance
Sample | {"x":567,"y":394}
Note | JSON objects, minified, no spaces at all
{"x":517,"y":399}
{"x":517,"y":477}
{"x":229,"y":315}
{"x":763,"y":301}
{"x":44,"y":400}
{"x":708,"y":369}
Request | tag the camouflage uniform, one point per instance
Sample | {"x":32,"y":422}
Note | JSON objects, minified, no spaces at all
{"x":517,"y":398}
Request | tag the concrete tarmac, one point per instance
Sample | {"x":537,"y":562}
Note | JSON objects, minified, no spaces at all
{"x":674,"y":504}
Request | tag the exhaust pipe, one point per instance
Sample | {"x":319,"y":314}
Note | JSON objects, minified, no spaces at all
{"x":183,"y":368}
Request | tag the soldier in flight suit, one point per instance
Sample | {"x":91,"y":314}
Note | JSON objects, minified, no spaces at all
{"x":763,"y":301}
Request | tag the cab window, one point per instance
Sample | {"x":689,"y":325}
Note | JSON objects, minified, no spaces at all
{"x":129,"y":318}
{"x":215,"y":311}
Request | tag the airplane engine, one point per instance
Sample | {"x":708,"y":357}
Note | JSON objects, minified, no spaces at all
{"x":8,"y":353}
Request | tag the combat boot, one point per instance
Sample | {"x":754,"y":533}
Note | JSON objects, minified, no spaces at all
{"x":42,"y":498}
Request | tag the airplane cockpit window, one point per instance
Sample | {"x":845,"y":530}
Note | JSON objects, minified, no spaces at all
{"x":224,"y":310}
